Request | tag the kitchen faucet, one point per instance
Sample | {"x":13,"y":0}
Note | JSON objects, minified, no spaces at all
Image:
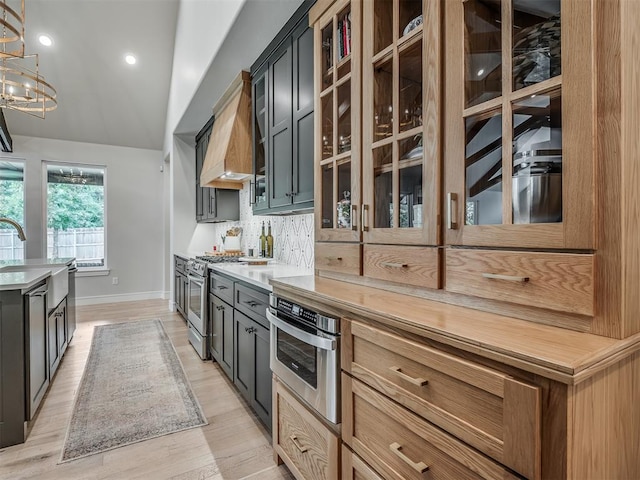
{"x":21,"y":234}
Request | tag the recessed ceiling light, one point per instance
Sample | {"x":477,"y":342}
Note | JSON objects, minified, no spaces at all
{"x":130,"y":59}
{"x":45,"y":40}
{"x":480,"y":72}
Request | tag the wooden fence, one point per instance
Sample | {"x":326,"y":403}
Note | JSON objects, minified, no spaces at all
{"x":11,"y":248}
{"x":82,"y":243}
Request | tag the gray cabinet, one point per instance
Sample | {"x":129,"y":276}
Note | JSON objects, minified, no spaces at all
{"x":37,"y":360}
{"x":239,"y":339}
{"x":282,"y":83}
{"x":32,"y":343}
{"x":181,"y":284}
{"x":212,"y":204}
{"x":12,"y":368}
{"x":71,"y":304}
{"x":252,"y":374}
{"x":243,"y":329}
{"x":57,"y":341}
{"x":221,"y":339}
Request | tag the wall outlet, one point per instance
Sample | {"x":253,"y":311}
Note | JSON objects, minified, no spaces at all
{"x":114,"y":280}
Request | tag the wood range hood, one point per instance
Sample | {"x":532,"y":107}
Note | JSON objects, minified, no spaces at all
{"x":228,"y":159}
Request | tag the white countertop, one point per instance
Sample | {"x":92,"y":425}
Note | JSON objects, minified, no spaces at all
{"x":259,"y":275}
{"x":24,"y":279}
{"x":38,"y":270}
{"x":38,"y":262}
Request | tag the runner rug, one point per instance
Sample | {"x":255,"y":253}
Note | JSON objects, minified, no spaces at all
{"x":133,"y":388}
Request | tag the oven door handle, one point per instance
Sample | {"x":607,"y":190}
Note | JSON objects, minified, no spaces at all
{"x":196,"y":280}
{"x":313,"y":340}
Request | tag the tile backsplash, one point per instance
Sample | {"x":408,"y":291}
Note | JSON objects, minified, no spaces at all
{"x":292,"y":234}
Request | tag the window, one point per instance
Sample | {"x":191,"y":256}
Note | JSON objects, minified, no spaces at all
{"x":76,"y":214}
{"x":11,"y":206}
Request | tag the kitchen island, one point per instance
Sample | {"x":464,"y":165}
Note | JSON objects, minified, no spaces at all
{"x":37,"y":321}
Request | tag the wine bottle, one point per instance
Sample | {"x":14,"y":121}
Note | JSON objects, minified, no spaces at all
{"x":269,"y":243}
{"x":263,"y":243}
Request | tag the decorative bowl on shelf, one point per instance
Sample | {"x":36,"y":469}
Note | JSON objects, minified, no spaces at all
{"x":412,"y":24}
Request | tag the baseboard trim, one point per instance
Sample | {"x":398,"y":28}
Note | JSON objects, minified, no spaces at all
{"x":130,"y":297}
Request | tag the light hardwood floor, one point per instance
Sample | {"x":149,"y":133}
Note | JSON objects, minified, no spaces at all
{"x":234,"y":445}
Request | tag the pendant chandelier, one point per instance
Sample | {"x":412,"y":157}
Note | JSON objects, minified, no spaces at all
{"x":22,"y":87}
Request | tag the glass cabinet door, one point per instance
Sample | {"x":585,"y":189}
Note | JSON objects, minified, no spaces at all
{"x":337,"y":43}
{"x":260,"y":198}
{"x":401,"y":105}
{"x":506,"y":146}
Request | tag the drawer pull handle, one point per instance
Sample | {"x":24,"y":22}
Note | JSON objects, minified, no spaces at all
{"x":394,"y":265}
{"x":339,"y":259}
{"x":509,"y":278}
{"x":296,"y":442}
{"x":420,"y":382}
{"x":354,"y":218}
{"x":363,"y":220}
{"x":419,"y":467}
{"x":451,"y":198}
{"x":222,"y":287}
{"x":252,"y":304}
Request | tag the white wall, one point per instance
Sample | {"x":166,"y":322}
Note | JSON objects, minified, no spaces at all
{"x":201,"y":28}
{"x":135,"y":227}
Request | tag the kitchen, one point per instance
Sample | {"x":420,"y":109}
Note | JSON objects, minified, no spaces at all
{"x":442,"y":297}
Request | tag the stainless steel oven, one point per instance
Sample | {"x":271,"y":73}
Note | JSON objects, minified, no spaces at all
{"x":197,"y":306}
{"x":305,"y":354}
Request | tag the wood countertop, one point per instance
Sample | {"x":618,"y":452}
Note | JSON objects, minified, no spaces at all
{"x":564,"y":355}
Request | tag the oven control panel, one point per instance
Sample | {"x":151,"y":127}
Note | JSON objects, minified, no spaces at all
{"x":305,"y":315}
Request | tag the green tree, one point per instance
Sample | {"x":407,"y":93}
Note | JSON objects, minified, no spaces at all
{"x":74,"y":206}
{"x":12,"y":201}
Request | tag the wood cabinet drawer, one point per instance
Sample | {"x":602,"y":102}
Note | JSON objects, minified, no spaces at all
{"x":557,"y":281}
{"x":485,"y":408}
{"x":306,"y":446}
{"x":221,"y":287}
{"x":253,"y":303}
{"x":354,"y":468}
{"x":401,"y":445}
{"x":338,"y":257}
{"x":417,"y":266}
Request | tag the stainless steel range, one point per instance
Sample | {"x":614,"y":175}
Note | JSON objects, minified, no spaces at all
{"x":197,"y":306}
{"x":218,"y":258}
{"x":197,"y":300}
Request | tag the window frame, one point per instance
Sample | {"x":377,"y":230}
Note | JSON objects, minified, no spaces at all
{"x":23,"y":224}
{"x":82,"y":271}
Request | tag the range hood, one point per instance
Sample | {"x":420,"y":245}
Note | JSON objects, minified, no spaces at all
{"x":228,"y":159}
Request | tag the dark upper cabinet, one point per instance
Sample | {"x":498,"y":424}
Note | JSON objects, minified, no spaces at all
{"x":282,"y":84}
{"x":212,"y":204}
{"x":259,"y":118}
{"x":302,"y":113}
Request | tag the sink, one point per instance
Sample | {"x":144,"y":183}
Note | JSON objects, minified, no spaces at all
{"x":57,"y":283}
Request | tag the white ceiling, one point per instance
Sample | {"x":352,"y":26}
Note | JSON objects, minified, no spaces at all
{"x":101,"y":99}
